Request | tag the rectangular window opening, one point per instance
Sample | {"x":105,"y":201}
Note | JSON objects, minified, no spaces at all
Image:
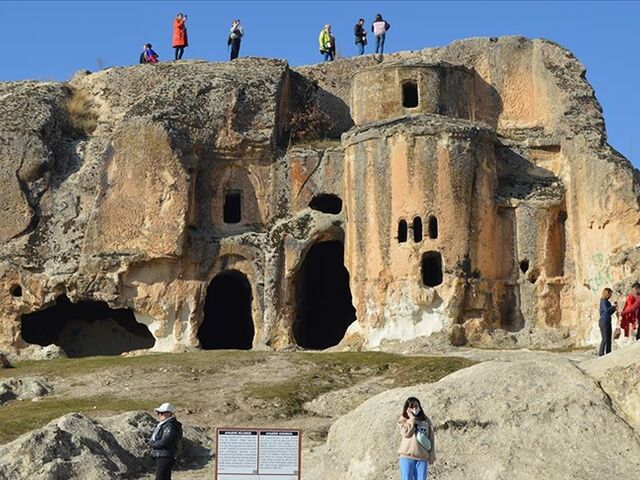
{"x":232,"y":210}
{"x":409,"y":95}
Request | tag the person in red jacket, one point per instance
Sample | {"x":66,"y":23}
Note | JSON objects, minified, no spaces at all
{"x":631,"y":312}
{"x":180,"y":35}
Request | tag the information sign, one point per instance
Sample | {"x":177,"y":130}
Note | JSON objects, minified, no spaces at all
{"x":257,"y":454}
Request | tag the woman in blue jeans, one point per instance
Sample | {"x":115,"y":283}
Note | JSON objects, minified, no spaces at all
{"x":417,"y":446}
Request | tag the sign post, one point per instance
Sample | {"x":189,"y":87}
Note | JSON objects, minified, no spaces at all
{"x":258,"y":454}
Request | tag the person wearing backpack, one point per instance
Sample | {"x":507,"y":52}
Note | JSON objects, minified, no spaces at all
{"x":379,"y":29}
{"x":327,"y":43}
{"x":164,"y":440}
{"x":148,"y":55}
{"x":417,"y":446}
{"x":180,"y":40}
{"x":235,"y":37}
{"x":361,"y":36}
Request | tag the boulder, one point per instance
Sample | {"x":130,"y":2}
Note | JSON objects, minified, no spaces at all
{"x":619,"y":375}
{"x":538,"y":417}
{"x":75,"y":446}
{"x":26,"y":388}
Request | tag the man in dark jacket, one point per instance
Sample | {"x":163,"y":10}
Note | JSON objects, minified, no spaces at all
{"x":164,"y":440}
{"x":361,"y":36}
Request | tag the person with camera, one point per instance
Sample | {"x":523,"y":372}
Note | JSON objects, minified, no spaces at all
{"x":417,"y":446}
{"x":235,"y":37}
{"x":180,"y":40}
{"x":164,"y":440}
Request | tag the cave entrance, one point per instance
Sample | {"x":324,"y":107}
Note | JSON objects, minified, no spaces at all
{"x":86,"y":328}
{"x":227,"y":322}
{"x":323,"y":297}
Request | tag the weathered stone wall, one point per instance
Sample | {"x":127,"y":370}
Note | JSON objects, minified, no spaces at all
{"x":117,"y":187}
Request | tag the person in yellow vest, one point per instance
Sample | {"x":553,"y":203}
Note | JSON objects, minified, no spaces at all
{"x":327,"y":43}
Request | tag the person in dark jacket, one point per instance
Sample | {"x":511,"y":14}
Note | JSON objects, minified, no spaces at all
{"x":606,"y":310}
{"x":361,"y":36}
{"x":236,"y":32}
{"x":379,"y":29}
{"x":164,"y":440}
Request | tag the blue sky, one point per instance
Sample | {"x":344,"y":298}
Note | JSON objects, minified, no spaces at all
{"x":51,"y":40}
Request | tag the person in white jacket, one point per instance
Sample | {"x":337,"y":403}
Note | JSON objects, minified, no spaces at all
{"x":379,"y":29}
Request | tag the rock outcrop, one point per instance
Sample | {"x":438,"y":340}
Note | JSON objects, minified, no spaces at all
{"x":536,"y":417}
{"x":25,"y":388}
{"x":192,"y":204}
{"x":74,"y":446}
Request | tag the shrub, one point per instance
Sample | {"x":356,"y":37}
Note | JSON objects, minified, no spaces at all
{"x":82,"y":114}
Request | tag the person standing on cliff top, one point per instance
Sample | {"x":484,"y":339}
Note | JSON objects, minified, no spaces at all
{"x":180,"y":40}
{"x":327,"y":43}
{"x":631,"y":312}
{"x":361,"y":36}
{"x":379,"y":27}
{"x":164,"y":440}
{"x":236,"y":32}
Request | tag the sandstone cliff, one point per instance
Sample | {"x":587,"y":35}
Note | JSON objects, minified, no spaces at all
{"x":465,"y":191}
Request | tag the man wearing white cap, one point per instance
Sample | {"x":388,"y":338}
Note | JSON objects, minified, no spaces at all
{"x":164,"y":440}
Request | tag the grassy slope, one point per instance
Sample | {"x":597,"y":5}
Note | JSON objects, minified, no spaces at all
{"x":311,"y":375}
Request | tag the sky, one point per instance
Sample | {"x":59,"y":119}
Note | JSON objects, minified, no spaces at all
{"x":53,"y":39}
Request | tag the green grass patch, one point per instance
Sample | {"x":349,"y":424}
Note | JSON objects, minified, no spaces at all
{"x":78,"y":366}
{"x":331,"y":371}
{"x":17,"y":417}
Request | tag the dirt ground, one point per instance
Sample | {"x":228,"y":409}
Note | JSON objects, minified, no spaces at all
{"x":301,"y":390}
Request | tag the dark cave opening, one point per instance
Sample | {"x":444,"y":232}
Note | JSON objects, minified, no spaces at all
{"x":86,"y":328}
{"x":323,"y":297}
{"x":326,"y":203}
{"x":227,"y":322}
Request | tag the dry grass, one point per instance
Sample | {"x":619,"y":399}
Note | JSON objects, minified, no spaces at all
{"x":18,"y":417}
{"x":82,"y":112}
{"x":333,"y":371}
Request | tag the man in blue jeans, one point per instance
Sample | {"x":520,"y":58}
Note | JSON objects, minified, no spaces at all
{"x":379,"y":29}
{"x":361,"y":36}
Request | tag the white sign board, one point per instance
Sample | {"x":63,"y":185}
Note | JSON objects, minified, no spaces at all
{"x":256,"y":454}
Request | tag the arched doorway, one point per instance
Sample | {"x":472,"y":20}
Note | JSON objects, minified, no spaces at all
{"x":323,"y":297}
{"x":227,"y":321}
{"x":86,"y":328}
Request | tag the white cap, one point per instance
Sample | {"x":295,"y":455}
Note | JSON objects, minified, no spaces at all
{"x":166,"y":407}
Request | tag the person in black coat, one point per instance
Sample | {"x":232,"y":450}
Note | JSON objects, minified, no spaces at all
{"x":606,"y":310}
{"x":361,"y":36}
{"x":164,"y":440}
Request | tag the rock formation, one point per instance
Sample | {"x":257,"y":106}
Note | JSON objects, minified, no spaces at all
{"x":466,"y":190}
{"x":539,"y":416}
{"x":74,"y":446}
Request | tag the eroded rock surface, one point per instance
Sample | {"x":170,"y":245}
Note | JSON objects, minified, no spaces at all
{"x":25,"y":388}
{"x":74,"y":446}
{"x":455,"y":188}
{"x":537,"y":417}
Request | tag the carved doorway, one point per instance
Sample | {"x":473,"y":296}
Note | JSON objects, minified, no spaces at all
{"x":324,"y":308}
{"x":227,"y":322}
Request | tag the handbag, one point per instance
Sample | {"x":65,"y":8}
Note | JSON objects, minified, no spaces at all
{"x":423,"y":440}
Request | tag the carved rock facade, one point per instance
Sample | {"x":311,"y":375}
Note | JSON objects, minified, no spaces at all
{"x":471,"y":197}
